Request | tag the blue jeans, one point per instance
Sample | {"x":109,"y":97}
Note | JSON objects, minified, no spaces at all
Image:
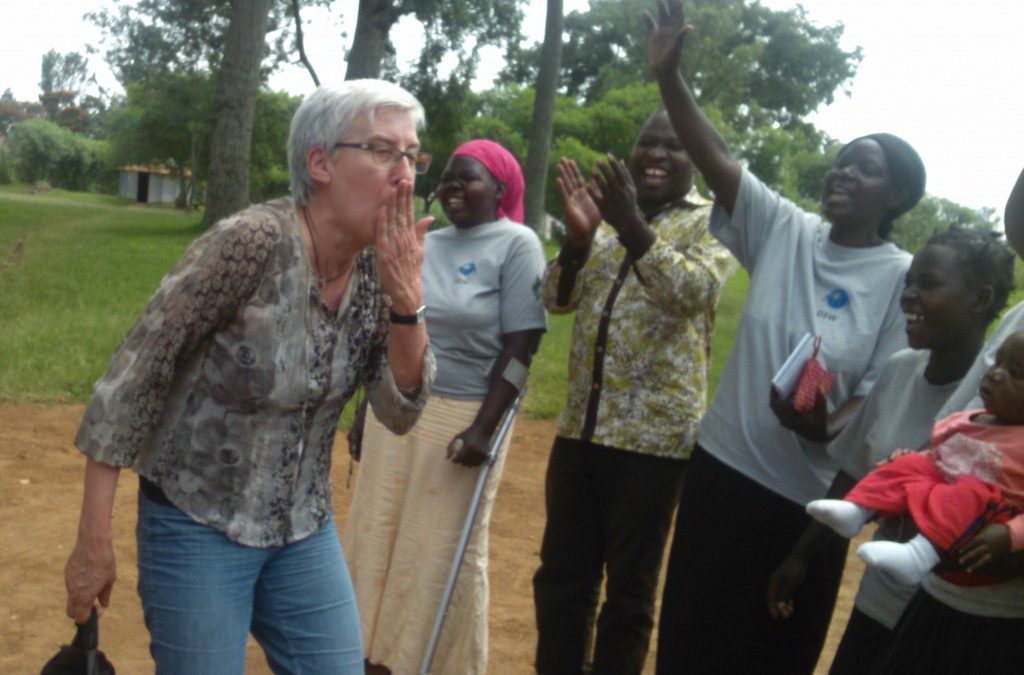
{"x":203,"y":593}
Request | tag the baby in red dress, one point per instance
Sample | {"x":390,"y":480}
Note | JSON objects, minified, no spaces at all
{"x":972,"y":475}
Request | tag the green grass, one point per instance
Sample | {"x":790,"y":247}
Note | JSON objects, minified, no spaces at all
{"x":75,"y":272}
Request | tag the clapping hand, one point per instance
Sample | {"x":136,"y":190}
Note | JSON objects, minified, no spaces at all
{"x":615,"y":195}
{"x":582,"y":216}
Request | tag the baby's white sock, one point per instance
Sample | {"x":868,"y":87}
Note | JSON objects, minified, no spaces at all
{"x":844,"y":517}
{"x":907,"y":563}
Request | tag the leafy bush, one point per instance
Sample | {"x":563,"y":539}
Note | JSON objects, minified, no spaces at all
{"x":42,"y":150}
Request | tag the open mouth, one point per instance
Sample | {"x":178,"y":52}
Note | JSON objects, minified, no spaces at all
{"x":454,"y":202}
{"x":655,"y":174}
{"x":914,"y":317}
{"x":837,"y":192}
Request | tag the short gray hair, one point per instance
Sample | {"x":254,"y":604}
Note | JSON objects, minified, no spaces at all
{"x":326,"y":116}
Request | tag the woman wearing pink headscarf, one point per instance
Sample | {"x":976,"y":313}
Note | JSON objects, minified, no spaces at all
{"x":484,"y":321}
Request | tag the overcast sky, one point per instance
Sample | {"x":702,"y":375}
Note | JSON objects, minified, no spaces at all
{"x":943,"y":75}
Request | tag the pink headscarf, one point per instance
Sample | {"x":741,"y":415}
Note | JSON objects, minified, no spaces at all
{"x":504,"y":167}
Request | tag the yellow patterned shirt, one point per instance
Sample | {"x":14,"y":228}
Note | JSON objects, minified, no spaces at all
{"x":641,"y":340}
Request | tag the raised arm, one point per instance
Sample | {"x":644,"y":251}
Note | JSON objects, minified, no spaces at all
{"x":1013,"y":218}
{"x":582,"y":219}
{"x":703,"y":143}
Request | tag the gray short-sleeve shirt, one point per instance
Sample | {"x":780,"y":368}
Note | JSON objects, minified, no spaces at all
{"x":479,"y":283}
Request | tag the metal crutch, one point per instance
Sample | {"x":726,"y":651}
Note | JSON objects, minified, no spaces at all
{"x":467,"y":528}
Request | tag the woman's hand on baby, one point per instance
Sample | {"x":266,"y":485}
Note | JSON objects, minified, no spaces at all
{"x":782,"y":586}
{"x":469,"y":448}
{"x":812,"y":425}
{"x":986,"y":550}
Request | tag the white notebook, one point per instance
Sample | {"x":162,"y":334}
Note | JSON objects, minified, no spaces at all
{"x":789,"y":374}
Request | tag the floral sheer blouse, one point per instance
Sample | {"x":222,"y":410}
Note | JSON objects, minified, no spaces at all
{"x":226,"y":392}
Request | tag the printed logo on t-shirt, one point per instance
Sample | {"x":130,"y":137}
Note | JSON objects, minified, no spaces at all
{"x":836,"y":300}
{"x":465,"y":271}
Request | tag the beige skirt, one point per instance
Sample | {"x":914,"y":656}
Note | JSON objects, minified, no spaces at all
{"x":400,"y":536}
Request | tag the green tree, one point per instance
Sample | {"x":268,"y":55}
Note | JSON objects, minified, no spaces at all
{"x":755,"y":63}
{"x":13,"y":110}
{"x":164,"y":119}
{"x":63,"y":78}
{"x":933,"y":214}
{"x":269,"y":175}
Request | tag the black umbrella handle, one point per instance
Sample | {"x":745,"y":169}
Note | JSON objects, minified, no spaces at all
{"x":88,"y":635}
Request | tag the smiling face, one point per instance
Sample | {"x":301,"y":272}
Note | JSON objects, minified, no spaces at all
{"x":859,"y":193}
{"x":660,"y":167}
{"x":1002,"y":387}
{"x":938,"y":299}
{"x":468,"y":193}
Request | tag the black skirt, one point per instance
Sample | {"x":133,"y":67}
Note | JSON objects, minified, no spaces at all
{"x":932,"y":638}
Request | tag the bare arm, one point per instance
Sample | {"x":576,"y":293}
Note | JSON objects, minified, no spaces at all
{"x":90,"y":571}
{"x":476,"y":439}
{"x":703,"y":143}
{"x":787,"y":578}
{"x":1013,"y":217}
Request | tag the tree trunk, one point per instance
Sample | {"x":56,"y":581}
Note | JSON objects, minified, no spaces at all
{"x":376,"y":17}
{"x":227,"y":188}
{"x":536,"y":171}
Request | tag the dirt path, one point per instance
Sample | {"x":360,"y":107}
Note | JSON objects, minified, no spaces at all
{"x":40,"y":493}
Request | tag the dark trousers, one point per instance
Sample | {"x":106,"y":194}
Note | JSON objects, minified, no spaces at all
{"x":607,"y":510}
{"x":862,"y":647}
{"x":932,"y":638}
{"x":730,"y":535}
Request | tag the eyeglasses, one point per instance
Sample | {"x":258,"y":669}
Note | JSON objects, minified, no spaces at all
{"x":385,"y":155}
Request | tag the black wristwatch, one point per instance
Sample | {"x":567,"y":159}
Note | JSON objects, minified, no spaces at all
{"x":409,"y":319}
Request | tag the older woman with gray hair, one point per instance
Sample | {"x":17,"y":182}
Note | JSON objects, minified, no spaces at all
{"x":225,"y":394}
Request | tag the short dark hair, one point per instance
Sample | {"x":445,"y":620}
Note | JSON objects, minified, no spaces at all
{"x":985,"y":257}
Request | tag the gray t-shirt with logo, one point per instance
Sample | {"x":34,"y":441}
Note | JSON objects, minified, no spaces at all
{"x":800,"y":282}
{"x":479,"y":283}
